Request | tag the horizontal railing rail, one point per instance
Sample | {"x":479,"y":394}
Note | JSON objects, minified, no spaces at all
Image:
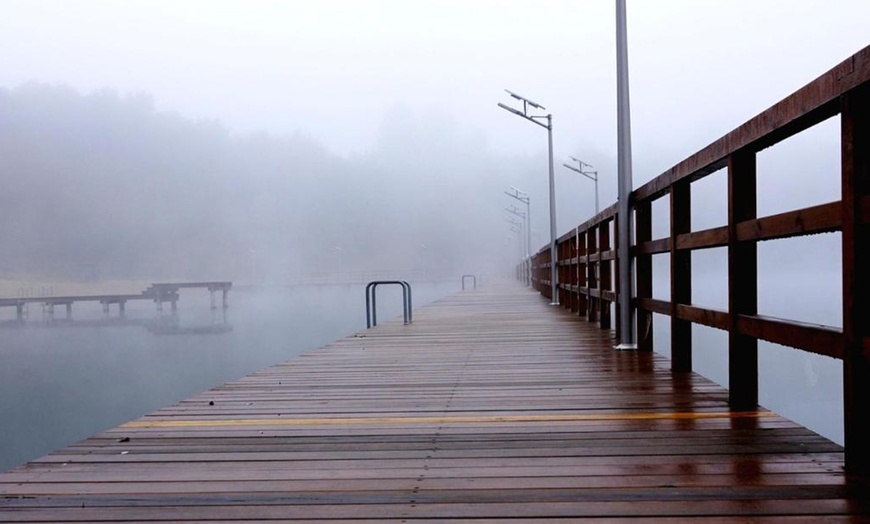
{"x":586,"y":260}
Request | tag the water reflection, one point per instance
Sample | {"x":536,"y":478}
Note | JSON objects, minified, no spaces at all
{"x":65,"y":379}
{"x":162,"y":324}
{"x":171,"y":325}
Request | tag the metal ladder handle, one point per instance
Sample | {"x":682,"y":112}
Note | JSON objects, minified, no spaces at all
{"x":408,"y":306}
{"x":371,"y":301}
{"x":372,"y":304}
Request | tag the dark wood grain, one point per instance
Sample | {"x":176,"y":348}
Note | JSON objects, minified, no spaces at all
{"x":855,"y":187}
{"x":742,"y":281}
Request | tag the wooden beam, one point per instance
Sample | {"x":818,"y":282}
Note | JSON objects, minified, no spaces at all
{"x":806,"y":107}
{"x":605,"y":275}
{"x":591,"y":277}
{"x":609,"y":296}
{"x":643,"y":233}
{"x":742,"y":283}
{"x":654,"y":305}
{"x":681,"y":277}
{"x":567,"y":236}
{"x":855,"y":186}
{"x":582,"y":299}
{"x":817,"y":219}
{"x":715,"y":237}
{"x":652,"y":247}
{"x":714,"y":318}
{"x":822,"y":340}
{"x":605,"y":215}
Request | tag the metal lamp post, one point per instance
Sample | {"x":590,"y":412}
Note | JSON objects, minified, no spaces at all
{"x":517,"y":227}
{"x":537,"y":119}
{"x":523,"y":241}
{"x":626,"y":326}
{"x":591,"y":175}
{"x":524,"y":198}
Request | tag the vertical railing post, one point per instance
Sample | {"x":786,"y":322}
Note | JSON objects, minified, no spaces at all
{"x":575,"y":270}
{"x":643,"y":233}
{"x":605,"y":282}
{"x":615,"y":272}
{"x":564,"y":255}
{"x":582,"y":274}
{"x":591,"y":277}
{"x":681,"y":276}
{"x":855,"y":187}
{"x":742,"y":282}
{"x":571,"y":272}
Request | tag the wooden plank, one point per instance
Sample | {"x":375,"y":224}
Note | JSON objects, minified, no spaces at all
{"x":605,"y":280}
{"x":822,"y":340}
{"x":654,"y":305}
{"x":742,"y":282}
{"x":855,"y":187}
{"x":680,"y":276}
{"x":643,"y":233}
{"x":806,"y":107}
{"x":715,"y":237}
{"x":652,"y":247}
{"x":817,"y":219}
{"x":705,"y":316}
{"x":593,"y":295}
{"x":605,"y":215}
{"x":492,"y":405}
{"x":567,"y":236}
{"x":582,"y":273}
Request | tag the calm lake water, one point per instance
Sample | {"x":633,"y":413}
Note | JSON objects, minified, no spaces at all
{"x":62,"y":383}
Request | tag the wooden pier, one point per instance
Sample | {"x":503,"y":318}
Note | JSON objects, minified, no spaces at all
{"x":491,"y":406}
{"x":158,"y":293}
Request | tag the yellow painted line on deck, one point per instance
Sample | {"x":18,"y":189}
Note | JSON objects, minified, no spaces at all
{"x":377,"y":421}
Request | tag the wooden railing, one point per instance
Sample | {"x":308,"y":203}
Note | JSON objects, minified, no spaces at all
{"x":587,"y":271}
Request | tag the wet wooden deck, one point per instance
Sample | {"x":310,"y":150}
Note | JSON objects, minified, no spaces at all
{"x":491,"y":406}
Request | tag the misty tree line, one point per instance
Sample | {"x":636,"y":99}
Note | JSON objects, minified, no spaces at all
{"x":104,"y":186}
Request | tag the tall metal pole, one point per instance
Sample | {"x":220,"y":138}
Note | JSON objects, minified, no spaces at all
{"x":527,"y":201}
{"x":554,"y":284}
{"x":535,"y":118}
{"x":597,"y":209}
{"x":626,"y":325}
{"x":528,"y":241}
{"x":592,"y":175}
{"x":524,"y":238}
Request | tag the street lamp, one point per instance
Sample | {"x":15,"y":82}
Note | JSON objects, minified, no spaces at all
{"x":516,"y":227}
{"x":623,"y":120}
{"x":592,"y":175}
{"x":524,"y":198}
{"x":523,"y":241}
{"x":549,"y":127}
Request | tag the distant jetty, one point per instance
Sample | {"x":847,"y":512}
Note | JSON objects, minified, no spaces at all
{"x":159,"y":293}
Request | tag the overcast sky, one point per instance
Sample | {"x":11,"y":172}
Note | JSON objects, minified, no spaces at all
{"x":336,"y":69}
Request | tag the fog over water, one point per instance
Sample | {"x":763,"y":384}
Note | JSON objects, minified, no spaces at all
{"x":273,"y":143}
{"x":64,"y":381}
